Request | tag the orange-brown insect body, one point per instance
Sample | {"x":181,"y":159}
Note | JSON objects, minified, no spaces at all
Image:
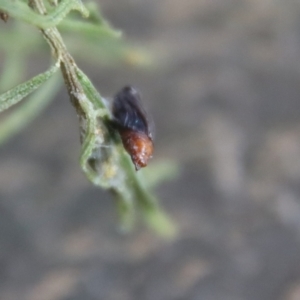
{"x":133,"y":125}
{"x":139,"y":146}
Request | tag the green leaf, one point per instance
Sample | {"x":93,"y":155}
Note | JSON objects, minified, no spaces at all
{"x":22,"y":11}
{"x":90,"y":30}
{"x":22,"y":90}
{"x":27,"y":111}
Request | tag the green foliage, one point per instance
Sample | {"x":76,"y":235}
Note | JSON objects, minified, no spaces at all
{"x":102,"y":158}
{"x":19,"y":92}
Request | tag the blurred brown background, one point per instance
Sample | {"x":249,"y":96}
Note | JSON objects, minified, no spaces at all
{"x":225,"y":95}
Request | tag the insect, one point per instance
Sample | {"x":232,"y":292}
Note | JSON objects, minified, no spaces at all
{"x":133,"y":125}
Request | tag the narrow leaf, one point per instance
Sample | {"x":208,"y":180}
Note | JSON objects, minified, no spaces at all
{"x":27,"y":111}
{"x":17,"y":93}
{"x":89,"y":29}
{"x":21,"y":10}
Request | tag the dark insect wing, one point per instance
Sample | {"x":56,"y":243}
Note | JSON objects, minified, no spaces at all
{"x":128,"y":112}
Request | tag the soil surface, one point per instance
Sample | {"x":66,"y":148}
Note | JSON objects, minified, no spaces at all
{"x":225,"y":96}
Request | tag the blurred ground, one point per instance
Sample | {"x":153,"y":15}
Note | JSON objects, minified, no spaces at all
{"x":225,"y":98}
